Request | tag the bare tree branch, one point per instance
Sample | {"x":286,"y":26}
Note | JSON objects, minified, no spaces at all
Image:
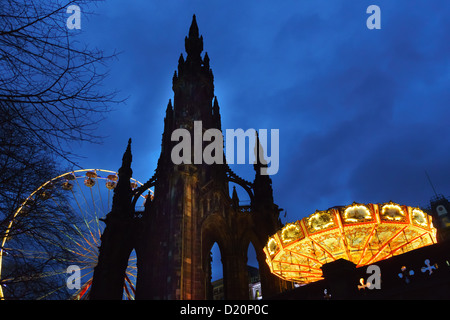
{"x":50,"y":98}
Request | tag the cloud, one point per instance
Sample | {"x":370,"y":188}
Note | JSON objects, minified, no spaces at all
{"x":360,"y":112}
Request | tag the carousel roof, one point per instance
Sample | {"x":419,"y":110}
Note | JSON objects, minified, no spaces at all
{"x":361,"y":233}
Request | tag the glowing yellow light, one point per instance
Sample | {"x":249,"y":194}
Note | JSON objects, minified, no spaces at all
{"x":419,"y":217}
{"x":289,"y":233}
{"x":361,"y":233}
{"x":392,"y":212}
{"x":272,"y":246}
{"x":320,"y":220}
{"x":357,"y":213}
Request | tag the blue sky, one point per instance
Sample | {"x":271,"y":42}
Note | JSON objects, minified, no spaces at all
{"x":362,"y":113}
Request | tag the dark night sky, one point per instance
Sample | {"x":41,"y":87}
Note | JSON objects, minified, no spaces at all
{"x":362,"y":113}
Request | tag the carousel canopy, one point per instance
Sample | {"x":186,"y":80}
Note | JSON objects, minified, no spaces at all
{"x":361,"y":233}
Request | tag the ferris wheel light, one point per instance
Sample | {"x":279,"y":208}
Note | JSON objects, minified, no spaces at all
{"x":112,"y":177}
{"x":88,"y":209}
{"x":110,"y":184}
{"x":91,"y":174}
{"x":89,"y":182}
{"x":67,"y":186}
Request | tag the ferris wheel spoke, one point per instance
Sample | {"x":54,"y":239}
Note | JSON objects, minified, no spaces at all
{"x":89,"y":230}
{"x":80,"y":293}
{"x":77,"y":252}
{"x":78,"y":204}
{"x":131,"y":286}
{"x":37,"y":276}
{"x":93,"y":202}
{"x":57,"y":289}
{"x":83,"y":250}
{"x":84,"y":197}
{"x":100,"y":196}
{"x":67,"y":232}
{"x":131,"y":271}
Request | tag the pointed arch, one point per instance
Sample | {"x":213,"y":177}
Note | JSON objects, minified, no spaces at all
{"x":214,"y":230}
{"x":268,"y":281}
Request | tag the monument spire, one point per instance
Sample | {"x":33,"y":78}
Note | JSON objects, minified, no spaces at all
{"x":193,"y":43}
{"x":193,"y":83}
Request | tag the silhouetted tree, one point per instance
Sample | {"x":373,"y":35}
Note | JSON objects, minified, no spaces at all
{"x":49,"y":81}
{"x":50,"y":97}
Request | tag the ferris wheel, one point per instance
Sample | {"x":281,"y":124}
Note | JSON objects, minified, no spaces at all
{"x":57,"y":228}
